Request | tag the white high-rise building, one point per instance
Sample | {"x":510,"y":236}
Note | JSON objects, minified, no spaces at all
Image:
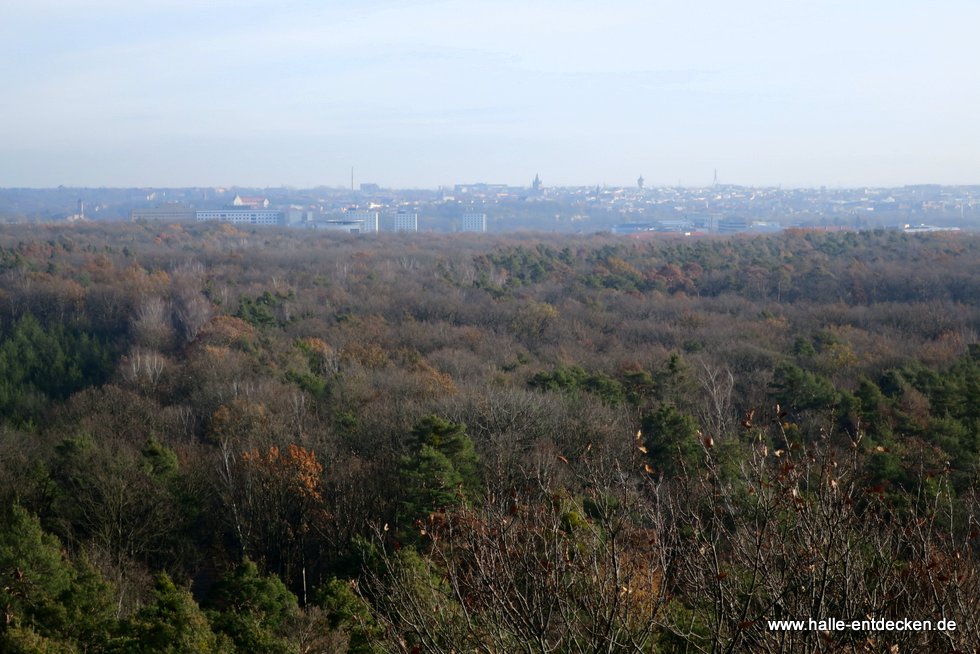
{"x":473,"y":222}
{"x":368,"y":218}
{"x":173,"y":213}
{"x":241,"y":216}
{"x":401,"y":221}
{"x":349,"y":226}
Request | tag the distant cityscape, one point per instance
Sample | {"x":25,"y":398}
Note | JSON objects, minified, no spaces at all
{"x":481,"y":207}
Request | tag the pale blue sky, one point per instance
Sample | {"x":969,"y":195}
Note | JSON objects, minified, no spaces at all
{"x":421,"y":94}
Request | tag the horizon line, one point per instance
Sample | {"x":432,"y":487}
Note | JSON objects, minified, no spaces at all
{"x":380,"y":187}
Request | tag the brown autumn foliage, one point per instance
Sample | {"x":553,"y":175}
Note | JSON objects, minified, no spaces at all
{"x":254,"y":393}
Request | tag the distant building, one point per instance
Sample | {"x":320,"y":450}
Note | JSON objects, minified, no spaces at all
{"x":174,"y":213}
{"x":401,"y":221}
{"x":80,"y":215}
{"x":681,"y":225}
{"x":250,"y":202}
{"x":481,"y":188}
{"x":240,"y":216}
{"x":473,"y":222}
{"x":348,"y":226}
{"x":296,"y":215}
{"x":369,"y":219}
{"x":732,"y":225}
{"x":633,"y":228}
{"x":369,"y":187}
{"x":919,"y":229}
{"x":705,"y":221}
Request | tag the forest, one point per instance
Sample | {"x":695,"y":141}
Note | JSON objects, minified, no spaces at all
{"x":216,"y":439}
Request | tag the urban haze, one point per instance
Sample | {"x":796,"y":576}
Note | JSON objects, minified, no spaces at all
{"x":431,"y":94}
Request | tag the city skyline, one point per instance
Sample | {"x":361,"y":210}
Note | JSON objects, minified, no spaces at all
{"x":428,"y":94}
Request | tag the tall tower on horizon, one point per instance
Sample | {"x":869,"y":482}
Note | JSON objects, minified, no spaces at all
{"x":536,"y":184}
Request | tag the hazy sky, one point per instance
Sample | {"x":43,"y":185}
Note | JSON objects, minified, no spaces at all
{"x":421,"y":94}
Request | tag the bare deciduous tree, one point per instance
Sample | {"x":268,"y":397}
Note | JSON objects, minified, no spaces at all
{"x":797,"y":533}
{"x":715,"y":412}
{"x":151,"y":325}
{"x":191,"y":309}
{"x":533,"y":570}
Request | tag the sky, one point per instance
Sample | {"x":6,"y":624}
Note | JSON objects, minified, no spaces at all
{"x":796,"y":93}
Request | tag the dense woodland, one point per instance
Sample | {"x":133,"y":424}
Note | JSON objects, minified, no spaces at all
{"x":216,"y":440}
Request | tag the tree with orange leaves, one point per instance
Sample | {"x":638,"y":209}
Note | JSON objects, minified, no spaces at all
{"x":282,"y":505}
